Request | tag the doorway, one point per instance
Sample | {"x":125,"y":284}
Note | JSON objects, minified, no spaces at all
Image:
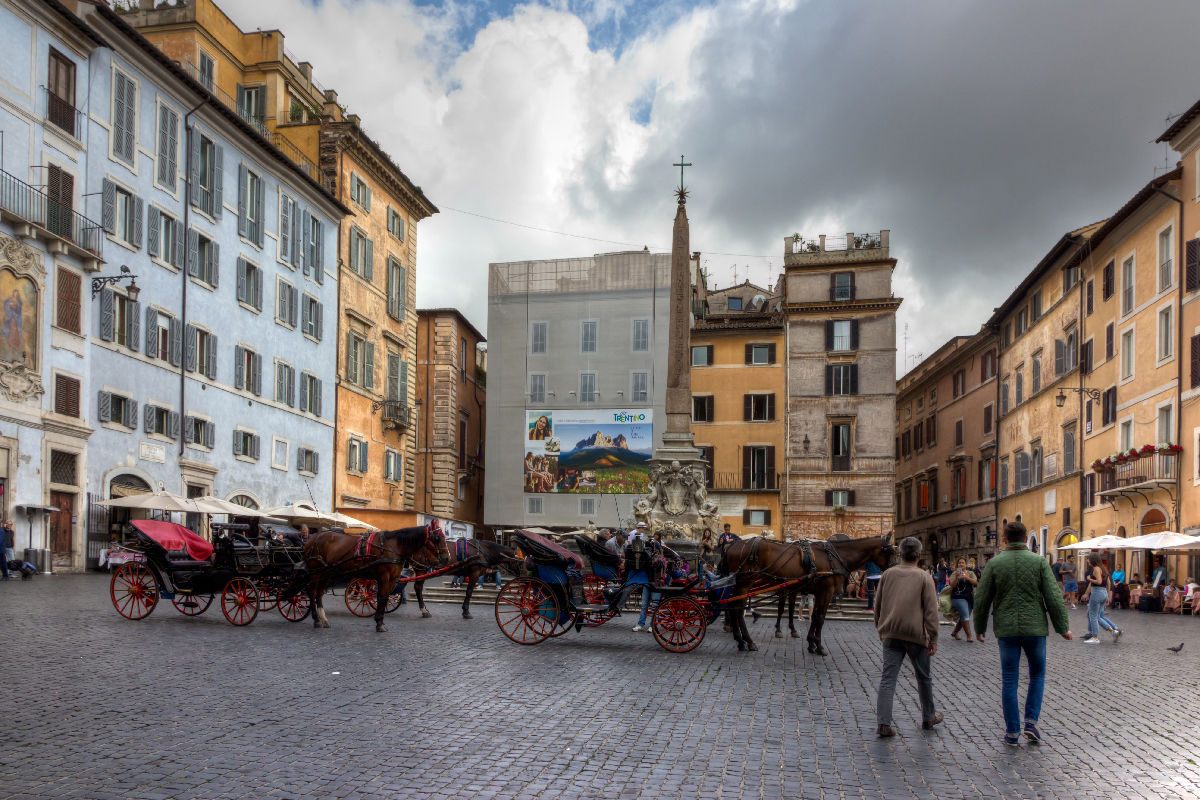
{"x":60,"y":522}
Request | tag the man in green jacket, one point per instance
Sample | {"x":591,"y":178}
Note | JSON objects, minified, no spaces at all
{"x":1021,"y":587}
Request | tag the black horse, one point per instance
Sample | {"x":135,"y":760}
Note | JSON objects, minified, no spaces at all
{"x":474,"y":558}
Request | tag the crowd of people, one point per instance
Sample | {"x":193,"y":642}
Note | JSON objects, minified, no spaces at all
{"x":10,"y":565}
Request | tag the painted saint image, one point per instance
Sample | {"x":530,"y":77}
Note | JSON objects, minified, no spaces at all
{"x":18,"y":339}
{"x":540,"y":429}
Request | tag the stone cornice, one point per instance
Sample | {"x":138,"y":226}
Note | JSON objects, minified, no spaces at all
{"x":349,"y":137}
{"x":842,"y":306}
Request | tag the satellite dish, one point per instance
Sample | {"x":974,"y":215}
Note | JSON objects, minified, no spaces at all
{"x":758,"y":301}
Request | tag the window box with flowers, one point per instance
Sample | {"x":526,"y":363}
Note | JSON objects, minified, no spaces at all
{"x":1166,"y":447}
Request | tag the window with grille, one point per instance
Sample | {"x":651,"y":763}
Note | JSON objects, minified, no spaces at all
{"x":66,"y":396}
{"x":62,"y":467}
{"x":641,"y":335}
{"x":588,"y":337}
{"x":641,"y":382}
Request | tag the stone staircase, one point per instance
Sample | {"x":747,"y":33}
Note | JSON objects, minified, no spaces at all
{"x":440,"y":591}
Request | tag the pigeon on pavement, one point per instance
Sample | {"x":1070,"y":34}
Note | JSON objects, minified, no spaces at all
{"x":1176,"y":649}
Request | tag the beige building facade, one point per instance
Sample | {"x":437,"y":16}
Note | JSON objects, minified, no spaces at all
{"x":841,"y":362}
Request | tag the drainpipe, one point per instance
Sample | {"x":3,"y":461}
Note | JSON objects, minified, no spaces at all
{"x":187,"y":207}
{"x":999,"y":449}
{"x":1179,"y":279}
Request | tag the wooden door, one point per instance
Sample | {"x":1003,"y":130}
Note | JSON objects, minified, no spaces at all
{"x":60,"y":521}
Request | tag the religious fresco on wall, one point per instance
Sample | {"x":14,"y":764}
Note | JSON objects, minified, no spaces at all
{"x":597,"y":451}
{"x":19,"y":336}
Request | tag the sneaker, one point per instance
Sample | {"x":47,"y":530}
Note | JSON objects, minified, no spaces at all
{"x":936,"y":719}
{"x":1092,"y":640}
{"x":638,"y":629}
{"x":885,"y":731}
{"x":1116,"y":635}
{"x":1012,"y":739}
{"x":1072,"y":605}
{"x":1031,"y":731}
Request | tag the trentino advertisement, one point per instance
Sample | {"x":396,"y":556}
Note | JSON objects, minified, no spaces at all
{"x":593,"y":451}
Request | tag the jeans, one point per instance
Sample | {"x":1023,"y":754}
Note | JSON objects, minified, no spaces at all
{"x":872,"y":585}
{"x":1011,"y":648}
{"x":963,"y":608}
{"x":894,"y":651}
{"x":646,"y":596}
{"x":1097,"y":601}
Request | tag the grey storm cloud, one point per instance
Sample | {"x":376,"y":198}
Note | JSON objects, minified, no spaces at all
{"x":976,"y":132}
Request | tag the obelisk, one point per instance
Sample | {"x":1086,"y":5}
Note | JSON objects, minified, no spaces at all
{"x":677,"y":497}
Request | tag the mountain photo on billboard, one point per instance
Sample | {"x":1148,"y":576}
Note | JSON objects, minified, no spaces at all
{"x":598,"y":446}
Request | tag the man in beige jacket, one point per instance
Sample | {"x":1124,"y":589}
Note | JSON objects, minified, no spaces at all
{"x":906,"y":616}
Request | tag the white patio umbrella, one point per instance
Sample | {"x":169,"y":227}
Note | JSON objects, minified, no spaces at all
{"x":1160,"y":541}
{"x":1107,"y":542}
{"x":159,"y":501}
{"x":228,"y":507}
{"x":304,"y":513}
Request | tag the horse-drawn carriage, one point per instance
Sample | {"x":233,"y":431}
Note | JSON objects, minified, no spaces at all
{"x":172,"y":563}
{"x":556,"y":595}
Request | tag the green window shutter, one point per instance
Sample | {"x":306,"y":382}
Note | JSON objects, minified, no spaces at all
{"x":369,"y":366}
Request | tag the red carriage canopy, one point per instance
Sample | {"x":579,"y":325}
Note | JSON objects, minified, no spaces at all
{"x":175,"y":537}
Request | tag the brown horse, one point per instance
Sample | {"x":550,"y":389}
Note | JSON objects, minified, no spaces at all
{"x":379,"y":556}
{"x":756,"y":559}
{"x":479,"y":556}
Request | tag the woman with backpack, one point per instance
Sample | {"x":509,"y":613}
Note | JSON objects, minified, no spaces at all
{"x":1096,"y":593}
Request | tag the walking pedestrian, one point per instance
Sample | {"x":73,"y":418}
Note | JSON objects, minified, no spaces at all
{"x":962,"y":597}
{"x":1070,"y":586}
{"x":907,"y":620}
{"x":1018,"y":590}
{"x":1097,"y":594}
{"x":873,"y":576}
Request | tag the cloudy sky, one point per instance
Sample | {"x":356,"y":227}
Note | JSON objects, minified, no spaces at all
{"x":977,"y":132}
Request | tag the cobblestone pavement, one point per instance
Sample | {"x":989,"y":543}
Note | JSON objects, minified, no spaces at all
{"x":176,"y":707}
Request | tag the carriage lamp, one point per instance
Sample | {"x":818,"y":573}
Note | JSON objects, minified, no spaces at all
{"x":131,"y":291}
{"x":1092,"y":394}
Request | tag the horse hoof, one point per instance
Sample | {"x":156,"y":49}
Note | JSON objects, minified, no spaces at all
{"x":795,"y":635}
{"x":812,"y":648}
{"x":751,"y":646}
{"x":741,"y":647}
{"x":467,"y":615}
{"x":755,"y":615}
{"x":778,"y":634}
{"x":425,"y":613}
{"x":381,"y":628}
{"x":728,"y":629}
{"x":820,"y":651}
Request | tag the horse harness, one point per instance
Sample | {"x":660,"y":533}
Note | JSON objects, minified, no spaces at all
{"x":805,"y":547}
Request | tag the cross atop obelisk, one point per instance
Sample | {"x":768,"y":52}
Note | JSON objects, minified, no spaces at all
{"x":682,"y":191}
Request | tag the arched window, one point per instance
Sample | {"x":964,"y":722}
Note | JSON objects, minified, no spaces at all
{"x":126,"y":486}
{"x":244,"y":500}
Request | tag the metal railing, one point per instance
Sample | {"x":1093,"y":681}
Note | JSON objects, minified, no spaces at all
{"x":62,"y":115}
{"x":743,"y":481}
{"x":858,"y":241}
{"x":1155,"y":467}
{"x":291,"y":151}
{"x":699,"y":308}
{"x":1164,"y":275}
{"x":36,"y":207}
{"x":397,"y":413}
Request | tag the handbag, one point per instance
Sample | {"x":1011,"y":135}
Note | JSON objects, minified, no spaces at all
{"x":945,"y":607}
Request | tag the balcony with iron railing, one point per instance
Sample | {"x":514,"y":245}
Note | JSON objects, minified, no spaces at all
{"x":64,"y":116}
{"x":1165,"y":275}
{"x":396,"y":414}
{"x":745,"y":481}
{"x":798,"y":249}
{"x":1137,"y":476}
{"x":61,"y":226}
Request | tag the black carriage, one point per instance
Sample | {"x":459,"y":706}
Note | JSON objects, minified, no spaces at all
{"x":170,"y":562}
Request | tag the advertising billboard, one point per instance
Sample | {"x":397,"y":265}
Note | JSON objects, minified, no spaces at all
{"x":591,"y":451}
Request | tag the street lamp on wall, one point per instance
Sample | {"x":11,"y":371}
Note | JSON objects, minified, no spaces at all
{"x":131,"y":291}
{"x":1092,"y":394}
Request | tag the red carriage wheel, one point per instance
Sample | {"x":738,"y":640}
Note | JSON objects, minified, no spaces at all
{"x":679,"y":624}
{"x":192,"y":605}
{"x":133,"y":590}
{"x":526,"y":611}
{"x":593,"y":590}
{"x":239,"y":601}
{"x":393,"y":599}
{"x":295,"y":608}
{"x":594,"y":619}
{"x":360,"y":597}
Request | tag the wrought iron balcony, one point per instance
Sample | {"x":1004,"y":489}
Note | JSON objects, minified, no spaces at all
{"x":1141,"y":475}
{"x":396,"y":414}
{"x":33,"y":206}
{"x":62,"y":115}
{"x":746,"y":481}
{"x":699,"y":308}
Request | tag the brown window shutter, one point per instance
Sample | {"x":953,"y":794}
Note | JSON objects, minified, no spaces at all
{"x":1192,"y":269}
{"x":749,"y":354}
{"x":745,"y":516}
{"x":709,"y":406}
{"x":828,"y":334}
{"x":709,"y":357}
{"x":931,"y":433}
{"x":853,"y":334}
{"x":829,"y":497}
{"x":854,"y":379}
{"x":828,"y":380}
{"x":771,"y":353}
{"x":771,"y":468}
{"x":68,"y":286}
{"x":746,"y":461}
{"x":1110,"y":278}
{"x":958,"y":433}
{"x":66,"y":396}
{"x":1091,"y":300}
{"x":850,"y":497}
{"x":987,"y":419}
{"x":767,"y":517}
{"x":853,"y":292}
{"x":1195,"y":361}
{"x":1067,"y":516}
{"x":771,"y":407}
{"x":832,"y":287}
{"x":747,"y":407}
{"x":1108,"y":341}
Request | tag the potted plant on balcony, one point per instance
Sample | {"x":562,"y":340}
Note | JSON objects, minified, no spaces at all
{"x":1147,"y":449}
{"x":1099,"y":464}
{"x":1167,"y":447}
{"x":1133,"y":454}
{"x":839,"y":510}
{"x":1119,"y":458}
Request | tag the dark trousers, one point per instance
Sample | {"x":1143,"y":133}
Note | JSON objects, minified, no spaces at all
{"x":872,"y":585}
{"x":4,"y":566}
{"x":894,"y":651}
